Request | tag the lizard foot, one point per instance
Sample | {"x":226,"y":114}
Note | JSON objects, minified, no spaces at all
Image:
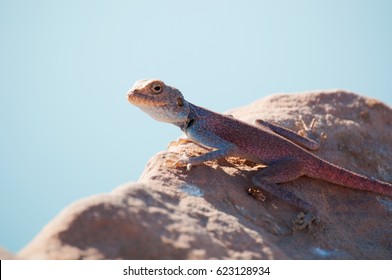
{"x":184,"y":160}
{"x":303,"y":221}
{"x":309,"y":131}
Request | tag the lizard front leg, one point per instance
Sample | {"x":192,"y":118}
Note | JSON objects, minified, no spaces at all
{"x":224,"y":151}
{"x":199,"y":134}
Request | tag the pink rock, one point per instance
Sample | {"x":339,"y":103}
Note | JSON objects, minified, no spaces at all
{"x":206,"y":213}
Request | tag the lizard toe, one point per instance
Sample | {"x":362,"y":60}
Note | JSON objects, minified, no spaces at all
{"x":304,"y":221}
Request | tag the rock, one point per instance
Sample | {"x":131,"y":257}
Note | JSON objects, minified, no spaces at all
{"x":5,"y":255}
{"x":206,"y":213}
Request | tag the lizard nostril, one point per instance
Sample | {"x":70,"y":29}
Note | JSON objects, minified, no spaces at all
{"x":129,"y":93}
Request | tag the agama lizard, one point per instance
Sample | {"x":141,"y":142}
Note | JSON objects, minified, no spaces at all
{"x":284,"y":152}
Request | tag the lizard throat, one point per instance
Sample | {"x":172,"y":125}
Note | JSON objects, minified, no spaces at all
{"x":185,"y":124}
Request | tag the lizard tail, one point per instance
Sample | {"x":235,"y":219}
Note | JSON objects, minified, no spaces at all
{"x":335,"y":174}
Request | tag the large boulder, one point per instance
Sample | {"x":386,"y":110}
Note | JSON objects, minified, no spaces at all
{"x":207,"y":213}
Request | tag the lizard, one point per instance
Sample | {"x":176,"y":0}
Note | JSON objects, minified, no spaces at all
{"x":286,"y":154}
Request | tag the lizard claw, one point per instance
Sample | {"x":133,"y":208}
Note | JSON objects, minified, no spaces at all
{"x":306,"y":131}
{"x":309,"y":131}
{"x":303,"y":221}
{"x":182,"y":161}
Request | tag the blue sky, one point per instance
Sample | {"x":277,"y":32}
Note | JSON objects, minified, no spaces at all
{"x":67,"y":131}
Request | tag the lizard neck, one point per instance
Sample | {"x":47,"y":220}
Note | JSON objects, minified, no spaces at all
{"x":192,"y":116}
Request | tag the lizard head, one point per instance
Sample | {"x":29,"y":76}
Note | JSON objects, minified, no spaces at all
{"x":162,"y":102}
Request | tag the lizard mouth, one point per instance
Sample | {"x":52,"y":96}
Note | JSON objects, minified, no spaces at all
{"x":139,"y":99}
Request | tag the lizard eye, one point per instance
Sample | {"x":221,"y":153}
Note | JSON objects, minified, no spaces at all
{"x":156,"y":88}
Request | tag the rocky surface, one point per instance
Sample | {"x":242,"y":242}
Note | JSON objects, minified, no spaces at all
{"x":5,"y":255}
{"x":206,"y":213}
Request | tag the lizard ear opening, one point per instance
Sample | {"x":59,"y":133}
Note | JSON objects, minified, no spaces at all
{"x":180,"y":102}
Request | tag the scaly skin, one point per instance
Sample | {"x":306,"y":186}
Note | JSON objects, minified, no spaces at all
{"x":282,"y":150}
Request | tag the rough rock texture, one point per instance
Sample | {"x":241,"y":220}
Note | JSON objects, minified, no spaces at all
{"x":206,"y":213}
{"x":5,"y":255}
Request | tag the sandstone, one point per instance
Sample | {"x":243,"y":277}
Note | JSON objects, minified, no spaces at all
{"x":6,"y":255}
{"x":206,"y":213}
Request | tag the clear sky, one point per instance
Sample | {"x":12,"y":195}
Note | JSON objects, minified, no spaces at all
{"x":67,"y":131}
